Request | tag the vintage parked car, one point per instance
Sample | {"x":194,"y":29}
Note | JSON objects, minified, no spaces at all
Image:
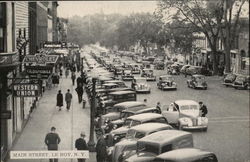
{"x":185,"y":114}
{"x":129,"y":112}
{"x":127,"y":146}
{"x":149,"y":147}
{"x":186,"y":155}
{"x":166,"y":82}
{"x":229,"y":80}
{"x":148,"y":74}
{"x":193,"y":70}
{"x":127,"y":75}
{"x":120,"y":83}
{"x":113,"y":113}
{"x":173,"y":69}
{"x":141,"y":85}
{"x":118,"y":97}
{"x":117,"y":134}
{"x":146,"y":64}
{"x":159,"y":65}
{"x":135,"y":68}
{"x":242,"y":82}
{"x":197,"y":81}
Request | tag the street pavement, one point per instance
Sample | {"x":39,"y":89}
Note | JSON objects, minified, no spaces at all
{"x":68,"y":124}
{"x":228,"y":114}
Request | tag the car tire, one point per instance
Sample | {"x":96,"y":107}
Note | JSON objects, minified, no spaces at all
{"x":205,"y":88}
{"x":205,"y":129}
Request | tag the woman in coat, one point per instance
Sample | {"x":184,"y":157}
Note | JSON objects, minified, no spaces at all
{"x":59,"y":100}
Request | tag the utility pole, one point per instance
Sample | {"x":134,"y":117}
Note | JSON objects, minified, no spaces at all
{"x":91,"y":143}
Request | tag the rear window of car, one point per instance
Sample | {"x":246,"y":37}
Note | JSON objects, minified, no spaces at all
{"x":139,"y":135}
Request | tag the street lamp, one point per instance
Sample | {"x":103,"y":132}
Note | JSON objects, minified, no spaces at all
{"x":91,"y":143}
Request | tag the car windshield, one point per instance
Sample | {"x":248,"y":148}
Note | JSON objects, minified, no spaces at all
{"x":142,"y":147}
{"x":139,"y":135}
{"x":127,"y":122}
{"x":189,"y":107}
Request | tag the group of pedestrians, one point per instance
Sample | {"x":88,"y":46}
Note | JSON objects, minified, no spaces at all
{"x":52,"y":139}
{"x":68,"y":99}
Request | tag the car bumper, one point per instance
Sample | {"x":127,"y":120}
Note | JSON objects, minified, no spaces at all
{"x":167,"y":88}
{"x":142,"y":90}
{"x":194,"y":127}
{"x":127,"y":78}
{"x":238,"y":86}
{"x":228,"y":84}
{"x":151,"y":79}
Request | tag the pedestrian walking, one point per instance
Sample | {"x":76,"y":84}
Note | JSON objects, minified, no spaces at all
{"x":67,"y":72}
{"x":203,"y":109}
{"x":49,"y":82}
{"x":158,"y":107}
{"x":79,"y":81}
{"x":79,"y":91}
{"x":80,"y":144}
{"x":59,"y":100}
{"x":101,"y":152}
{"x":73,"y":77}
{"x":68,"y":98}
{"x":52,"y":140}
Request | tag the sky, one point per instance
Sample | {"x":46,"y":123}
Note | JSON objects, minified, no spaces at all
{"x":68,"y":9}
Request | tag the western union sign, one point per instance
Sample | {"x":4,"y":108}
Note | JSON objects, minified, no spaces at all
{"x":26,"y":90}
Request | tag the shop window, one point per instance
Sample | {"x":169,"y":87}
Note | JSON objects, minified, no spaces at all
{"x":3,"y":38}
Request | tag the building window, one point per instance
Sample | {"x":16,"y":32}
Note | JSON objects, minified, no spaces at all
{"x":3,"y":39}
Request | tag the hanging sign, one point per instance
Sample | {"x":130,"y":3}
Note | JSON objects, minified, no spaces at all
{"x":43,"y":71}
{"x":26,"y":90}
{"x":40,"y":59}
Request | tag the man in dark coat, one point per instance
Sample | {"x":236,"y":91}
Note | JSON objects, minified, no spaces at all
{"x":52,"y":140}
{"x":101,"y":152}
{"x":79,"y":91}
{"x":59,"y":100}
{"x":68,"y":98}
{"x":79,"y":81}
{"x":80,"y":144}
{"x":203,"y":109}
{"x":158,"y":107}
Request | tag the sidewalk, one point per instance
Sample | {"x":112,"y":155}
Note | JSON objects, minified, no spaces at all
{"x":68,"y":124}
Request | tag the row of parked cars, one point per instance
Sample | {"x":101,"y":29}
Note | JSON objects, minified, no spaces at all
{"x":144,"y":133}
{"x":237,"y":81}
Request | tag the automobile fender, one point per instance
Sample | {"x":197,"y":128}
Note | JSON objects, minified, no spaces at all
{"x":202,"y":120}
{"x":185,"y":121}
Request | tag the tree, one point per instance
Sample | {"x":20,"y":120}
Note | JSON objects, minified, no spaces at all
{"x":229,"y":30}
{"x":206,"y":16}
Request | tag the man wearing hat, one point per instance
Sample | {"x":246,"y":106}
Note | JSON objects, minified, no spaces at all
{"x":80,"y":144}
{"x":203,"y":109}
{"x":52,"y":140}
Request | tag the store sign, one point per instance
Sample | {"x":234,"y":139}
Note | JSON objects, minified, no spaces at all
{"x":26,"y":90}
{"x":40,"y":59}
{"x":5,"y":114}
{"x":35,"y":71}
{"x":55,"y":45}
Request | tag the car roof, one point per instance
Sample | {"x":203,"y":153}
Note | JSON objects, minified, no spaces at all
{"x":130,"y":103}
{"x":184,"y":154}
{"x":186,"y":102}
{"x":139,"y":110}
{"x":114,"y":81}
{"x":122,"y":92}
{"x":144,"y":116}
{"x":164,"y":136}
{"x":149,"y":127}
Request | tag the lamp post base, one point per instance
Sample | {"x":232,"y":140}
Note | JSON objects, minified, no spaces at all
{"x":91,"y":146}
